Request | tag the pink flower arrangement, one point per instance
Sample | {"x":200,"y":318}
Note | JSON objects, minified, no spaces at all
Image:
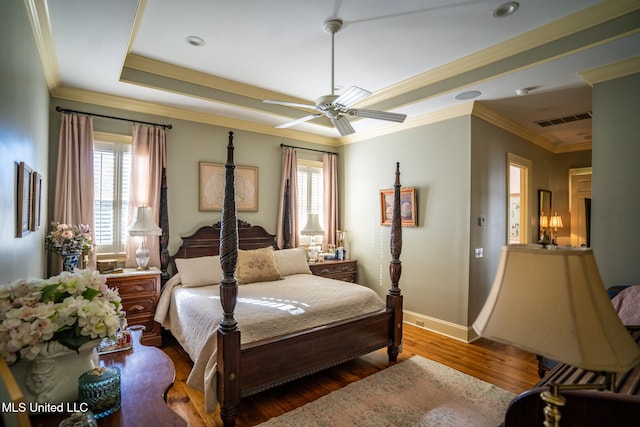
{"x":67,"y":238}
{"x":70,"y":309}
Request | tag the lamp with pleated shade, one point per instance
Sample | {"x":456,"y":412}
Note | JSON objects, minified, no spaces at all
{"x":143,"y":225}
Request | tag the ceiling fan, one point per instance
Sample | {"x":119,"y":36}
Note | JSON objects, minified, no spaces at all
{"x":336,"y":107}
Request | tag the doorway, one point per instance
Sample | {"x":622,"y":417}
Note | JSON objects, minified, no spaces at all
{"x":580,"y":206}
{"x":518,"y":199}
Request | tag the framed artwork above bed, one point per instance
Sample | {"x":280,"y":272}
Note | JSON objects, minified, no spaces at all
{"x":211,"y":187}
{"x":407,"y":207}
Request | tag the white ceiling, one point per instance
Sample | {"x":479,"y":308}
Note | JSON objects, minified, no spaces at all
{"x":415,"y":55}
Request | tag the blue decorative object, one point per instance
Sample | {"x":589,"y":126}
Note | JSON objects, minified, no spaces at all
{"x":70,"y":261}
{"x":100,"y":389}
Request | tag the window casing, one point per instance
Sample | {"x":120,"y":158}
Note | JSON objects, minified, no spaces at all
{"x":112,"y":180}
{"x":310,"y":194}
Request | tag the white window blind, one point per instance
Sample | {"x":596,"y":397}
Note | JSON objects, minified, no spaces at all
{"x":112,"y":178}
{"x":310,"y":193}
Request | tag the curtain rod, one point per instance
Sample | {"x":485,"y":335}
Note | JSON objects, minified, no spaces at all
{"x":308,"y":149}
{"x":66,"y":110}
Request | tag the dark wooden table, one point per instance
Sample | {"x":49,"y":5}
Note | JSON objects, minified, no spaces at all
{"x":584,"y":408}
{"x":146,"y":374}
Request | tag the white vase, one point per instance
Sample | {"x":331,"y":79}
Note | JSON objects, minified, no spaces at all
{"x":53,"y":378}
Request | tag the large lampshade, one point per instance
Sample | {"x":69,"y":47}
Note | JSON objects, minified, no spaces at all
{"x":143,"y":223}
{"x":313,"y":227}
{"x":552,"y":302}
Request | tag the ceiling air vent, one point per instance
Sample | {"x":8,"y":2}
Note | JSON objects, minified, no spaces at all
{"x":567,"y":119}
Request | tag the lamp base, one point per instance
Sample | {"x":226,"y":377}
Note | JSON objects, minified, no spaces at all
{"x":552,"y":414}
{"x":142,"y":255}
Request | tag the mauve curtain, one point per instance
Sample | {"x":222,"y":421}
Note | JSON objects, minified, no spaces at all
{"x":148,"y":157}
{"x":330,"y":185}
{"x":74,"y":198}
{"x":290,"y":174}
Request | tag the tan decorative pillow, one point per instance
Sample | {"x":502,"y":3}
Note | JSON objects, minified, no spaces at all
{"x":257,"y":265}
{"x":201,"y":271}
{"x":292,"y":261}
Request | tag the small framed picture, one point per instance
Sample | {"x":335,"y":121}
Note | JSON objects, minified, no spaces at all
{"x":407,"y":207}
{"x":211,"y":187}
{"x":36,"y":201}
{"x":23,"y":192}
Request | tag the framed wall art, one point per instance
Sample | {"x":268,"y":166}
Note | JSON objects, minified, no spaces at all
{"x":211,"y":187}
{"x":36,"y":201}
{"x":407,"y":207}
{"x":23,"y":193}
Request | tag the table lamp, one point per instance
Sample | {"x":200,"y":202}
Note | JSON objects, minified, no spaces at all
{"x":313,"y":229}
{"x":143,"y":225}
{"x":544,"y":224}
{"x":555,"y":222}
{"x":551,"y":301}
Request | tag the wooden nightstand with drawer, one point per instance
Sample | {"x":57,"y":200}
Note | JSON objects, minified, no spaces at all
{"x":140,"y":292}
{"x":346,"y":269}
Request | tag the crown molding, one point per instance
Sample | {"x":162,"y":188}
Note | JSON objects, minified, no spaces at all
{"x":127,"y":104}
{"x":475,"y":108}
{"x":611,"y":71}
{"x":460,"y":110}
{"x":38,"y":12}
{"x":489,"y":115}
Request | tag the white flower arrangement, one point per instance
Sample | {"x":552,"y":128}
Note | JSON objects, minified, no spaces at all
{"x":70,"y":308}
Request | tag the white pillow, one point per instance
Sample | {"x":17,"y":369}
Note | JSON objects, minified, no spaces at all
{"x":292,"y":261}
{"x":201,"y":271}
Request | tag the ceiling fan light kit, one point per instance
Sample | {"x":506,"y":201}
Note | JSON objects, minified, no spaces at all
{"x":336,"y":107}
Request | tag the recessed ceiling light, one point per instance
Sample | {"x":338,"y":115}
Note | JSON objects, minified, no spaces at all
{"x":505,"y":9}
{"x":195,"y":40}
{"x":468,"y":95}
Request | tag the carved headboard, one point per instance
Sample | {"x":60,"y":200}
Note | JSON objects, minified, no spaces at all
{"x":206,"y":241}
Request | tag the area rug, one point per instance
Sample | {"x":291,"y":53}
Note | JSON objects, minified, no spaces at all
{"x":415,"y":392}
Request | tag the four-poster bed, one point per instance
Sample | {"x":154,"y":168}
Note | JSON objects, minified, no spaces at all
{"x":303,"y":338}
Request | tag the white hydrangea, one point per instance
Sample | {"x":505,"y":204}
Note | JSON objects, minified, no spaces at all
{"x":71,"y":308}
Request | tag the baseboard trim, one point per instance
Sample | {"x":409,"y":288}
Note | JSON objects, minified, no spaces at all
{"x":449,"y":329}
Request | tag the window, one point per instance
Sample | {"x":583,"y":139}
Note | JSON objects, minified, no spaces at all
{"x":310,"y":194}
{"x":112,"y":177}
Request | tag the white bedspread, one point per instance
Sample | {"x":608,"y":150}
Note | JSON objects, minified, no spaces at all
{"x":264,"y":309}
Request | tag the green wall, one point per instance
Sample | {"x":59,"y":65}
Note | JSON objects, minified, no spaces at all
{"x":435,"y":159}
{"x":24,"y":101}
{"x":616,"y":177}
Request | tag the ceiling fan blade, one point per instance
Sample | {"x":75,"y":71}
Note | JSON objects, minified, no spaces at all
{"x":351,"y":96}
{"x":380,"y":115}
{"x":290,"y":104}
{"x":297,"y":121}
{"x":342,"y":124}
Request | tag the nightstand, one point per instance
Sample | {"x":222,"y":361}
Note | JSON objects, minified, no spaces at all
{"x":140,"y":292}
{"x":345,"y":270}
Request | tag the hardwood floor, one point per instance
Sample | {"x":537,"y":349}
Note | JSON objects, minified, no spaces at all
{"x":504,"y":366}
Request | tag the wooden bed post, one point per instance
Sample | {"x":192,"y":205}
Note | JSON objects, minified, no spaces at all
{"x":228,"y":384}
{"x":394,"y":296}
{"x":164,"y":224}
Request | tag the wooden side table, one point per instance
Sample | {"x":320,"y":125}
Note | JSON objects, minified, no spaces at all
{"x":345,"y":270}
{"x":140,"y":292}
{"x":146,"y":373}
